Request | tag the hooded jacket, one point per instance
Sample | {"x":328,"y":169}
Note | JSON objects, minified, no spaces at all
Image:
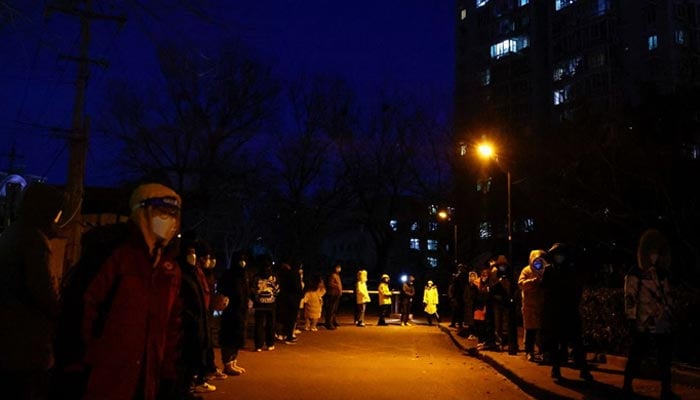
{"x":28,"y":294}
{"x":532,"y":293}
{"x":136,"y":346}
{"x":648,"y":298}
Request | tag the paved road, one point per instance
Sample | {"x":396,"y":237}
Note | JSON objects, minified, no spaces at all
{"x":375,"y":362}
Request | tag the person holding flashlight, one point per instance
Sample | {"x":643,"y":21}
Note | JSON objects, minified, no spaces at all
{"x":532,"y":301}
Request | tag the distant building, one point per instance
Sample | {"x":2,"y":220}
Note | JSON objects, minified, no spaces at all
{"x":418,"y":243}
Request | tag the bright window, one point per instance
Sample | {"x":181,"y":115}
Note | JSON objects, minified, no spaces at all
{"x":415,"y":244}
{"x":559,"y":4}
{"x":415,"y":227}
{"x":394,"y":225}
{"x":431,"y":244}
{"x":507,"y":46}
{"x":463,"y":14}
{"x":523,"y":2}
{"x":433,"y":262}
{"x":566,"y":68}
{"x":652,"y":42}
{"x":485,"y":230}
{"x":561,"y":96}
{"x":481,"y":3}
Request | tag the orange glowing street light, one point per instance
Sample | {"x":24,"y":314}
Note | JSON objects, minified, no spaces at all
{"x":487,"y":151}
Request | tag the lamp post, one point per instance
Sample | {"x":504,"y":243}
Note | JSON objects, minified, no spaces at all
{"x":487,"y":151}
{"x":446,"y":216}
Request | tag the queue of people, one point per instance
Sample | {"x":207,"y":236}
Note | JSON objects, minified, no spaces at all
{"x":141,"y":301}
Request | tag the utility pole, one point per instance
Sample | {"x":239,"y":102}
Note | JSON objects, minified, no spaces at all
{"x":79,"y":134}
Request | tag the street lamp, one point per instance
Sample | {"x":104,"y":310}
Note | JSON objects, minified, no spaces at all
{"x":487,"y":151}
{"x":445,"y":215}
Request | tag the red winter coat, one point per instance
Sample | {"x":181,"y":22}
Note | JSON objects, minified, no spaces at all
{"x":141,"y":327}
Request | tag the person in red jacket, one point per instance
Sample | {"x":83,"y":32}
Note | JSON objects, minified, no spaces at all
{"x":131,"y":319}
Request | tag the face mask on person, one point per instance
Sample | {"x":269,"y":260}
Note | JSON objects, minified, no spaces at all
{"x":163,"y":226}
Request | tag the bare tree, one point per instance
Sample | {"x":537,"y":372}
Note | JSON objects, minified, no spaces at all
{"x":196,"y":127}
{"x":310,"y":196}
{"x":386,"y":163}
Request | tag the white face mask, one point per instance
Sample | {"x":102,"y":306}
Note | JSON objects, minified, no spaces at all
{"x":163,"y":226}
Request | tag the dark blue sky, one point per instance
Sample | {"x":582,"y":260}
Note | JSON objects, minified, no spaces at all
{"x":373,"y":44}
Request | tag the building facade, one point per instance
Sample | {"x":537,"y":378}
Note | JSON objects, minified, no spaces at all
{"x":528,"y":70}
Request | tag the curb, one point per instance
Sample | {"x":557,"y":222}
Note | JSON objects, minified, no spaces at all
{"x":527,"y":387}
{"x":689,"y":376}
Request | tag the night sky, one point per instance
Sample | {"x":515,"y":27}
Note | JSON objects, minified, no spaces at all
{"x":372,"y":44}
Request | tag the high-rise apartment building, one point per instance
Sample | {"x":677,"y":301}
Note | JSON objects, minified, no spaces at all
{"x":526,"y":63}
{"x":524,"y":68}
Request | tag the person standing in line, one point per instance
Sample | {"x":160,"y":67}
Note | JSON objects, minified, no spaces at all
{"x":334,"y":290}
{"x":196,"y":299}
{"x":455,"y":293}
{"x":218,"y":304}
{"x":408,"y":292}
{"x":265,"y":291}
{"x":140,"y":281}
{"x":290,"y":295}
{"x":533,"y":299}
{"x":384,"y":294}
{"x":28,"y":295}
{"x":235,"y":285}
{"x":431,"y":299}
{"x":361,"y":297}
{"x":313,"y":303}
{"x":502,"y":304}
{"x":561,"y":320}
{"x":648,"y":310}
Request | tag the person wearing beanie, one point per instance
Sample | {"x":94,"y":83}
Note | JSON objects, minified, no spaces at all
{"x":131,"y":318}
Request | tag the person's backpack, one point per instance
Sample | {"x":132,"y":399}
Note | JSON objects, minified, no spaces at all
{"x":266,"y":290}
{"x":97,"y":245}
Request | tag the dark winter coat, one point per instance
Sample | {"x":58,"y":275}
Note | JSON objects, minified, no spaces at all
{"x":28,"y":288}
{"x":562,"y":288}
{"x":234,"y":284}
{"x":195,"y":315}
{"x":141,"y":329}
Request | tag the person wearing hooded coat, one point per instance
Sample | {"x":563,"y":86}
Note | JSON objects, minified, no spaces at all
{"x":384,"y":300}
{"x":532,"y":301}
{"x":131,"y":347}
{"x":562,"y":289}
{"x":648,"y":305}
{"x":28,"y":295}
